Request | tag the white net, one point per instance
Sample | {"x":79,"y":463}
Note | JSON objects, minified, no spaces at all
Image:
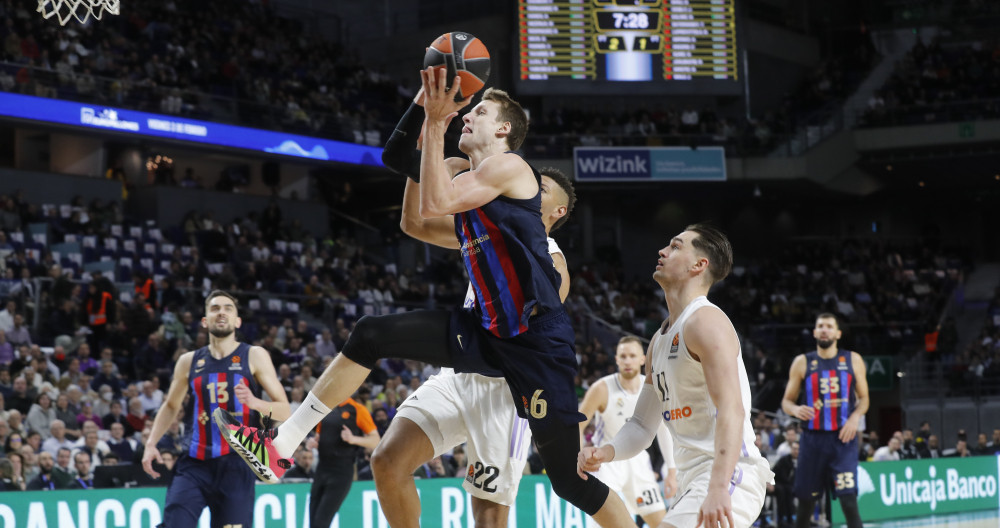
{"x":64,"y":10}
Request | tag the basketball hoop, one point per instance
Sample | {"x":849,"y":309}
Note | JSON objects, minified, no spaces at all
{"x":81,"y":10}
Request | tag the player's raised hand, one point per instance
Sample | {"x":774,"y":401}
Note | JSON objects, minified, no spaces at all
{"x":717,"y":510}
{"x":805,"y":412}
{"x":151,"y":453}
{"x":591,"y":458}
{"x":439,"y":105}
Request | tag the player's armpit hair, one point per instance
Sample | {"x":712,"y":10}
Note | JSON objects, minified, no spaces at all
{"x":638,"y":433}
{"x":400,"y":153}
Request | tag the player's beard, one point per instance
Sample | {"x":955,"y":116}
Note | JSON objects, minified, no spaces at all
{"x":222,"y":332}
{"x":825,"y":343}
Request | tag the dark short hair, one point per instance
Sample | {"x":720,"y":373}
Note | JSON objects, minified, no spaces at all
{"x":220,"y":293}
{"x":566,"y":185}
{"x":510,"y":112}
{"x":715,"y":245}
{"x":829,"y":315}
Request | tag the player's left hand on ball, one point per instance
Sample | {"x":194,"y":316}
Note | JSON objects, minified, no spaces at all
{"x":439,"y":103}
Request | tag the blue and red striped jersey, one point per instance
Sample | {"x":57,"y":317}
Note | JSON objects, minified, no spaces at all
{"x":829,"y":389}
{"x":506,"y":254}
{"x":212,"y":385}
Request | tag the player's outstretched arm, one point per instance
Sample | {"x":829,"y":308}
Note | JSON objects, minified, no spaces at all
{"x":850,"y":429}
{"x":263,"y":371}
{"x":789,"y":402}
{"x":712,"y":339}
{"x":172,"y":403}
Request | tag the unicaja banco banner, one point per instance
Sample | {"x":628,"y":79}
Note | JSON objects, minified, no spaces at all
{"x":917,"y":488}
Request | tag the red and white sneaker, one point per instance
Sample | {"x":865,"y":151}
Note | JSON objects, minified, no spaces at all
{"x":254,"y":445}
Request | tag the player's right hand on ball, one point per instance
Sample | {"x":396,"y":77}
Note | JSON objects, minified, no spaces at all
{"x":805,"y":412}
{"x":151,"y":453}
{"x":591,"y":458}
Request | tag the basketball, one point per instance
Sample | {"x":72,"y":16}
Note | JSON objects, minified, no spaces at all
{"x":465,"y":56}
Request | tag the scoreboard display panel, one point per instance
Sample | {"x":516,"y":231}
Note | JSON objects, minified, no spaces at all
{"x":628,"y":47}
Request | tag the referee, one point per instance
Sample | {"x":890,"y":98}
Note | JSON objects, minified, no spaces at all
{"x":342,"y":435}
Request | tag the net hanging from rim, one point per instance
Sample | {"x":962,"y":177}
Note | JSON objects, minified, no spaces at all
{"x":81,"y":10}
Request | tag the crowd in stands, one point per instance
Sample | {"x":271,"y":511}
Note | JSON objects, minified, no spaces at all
{"x":224,"y":61}
{"x":937,"y":82}
{"x":240,"y":62}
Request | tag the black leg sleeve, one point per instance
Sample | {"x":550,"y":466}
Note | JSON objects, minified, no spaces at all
{"x":558,"y":445}
{"x":804,"y":513}
{"x":421,"y":335}
{"x":849,"y":505}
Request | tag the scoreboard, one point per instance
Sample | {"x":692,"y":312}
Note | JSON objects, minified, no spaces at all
{"x":628,"y":47}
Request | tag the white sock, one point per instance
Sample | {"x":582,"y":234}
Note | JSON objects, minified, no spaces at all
{"x":294,"y":430}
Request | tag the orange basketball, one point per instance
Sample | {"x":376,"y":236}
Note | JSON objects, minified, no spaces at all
{"x":463,"y":55}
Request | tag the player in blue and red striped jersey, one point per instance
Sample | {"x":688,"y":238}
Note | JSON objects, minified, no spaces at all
{"x":489,"y":208}
{"x":228,"y":376}
{"x":835,"y":397}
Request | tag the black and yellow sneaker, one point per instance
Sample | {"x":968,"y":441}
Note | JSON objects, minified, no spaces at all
{"x":254,"y":445}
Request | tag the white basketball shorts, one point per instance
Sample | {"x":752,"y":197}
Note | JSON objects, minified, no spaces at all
{"x":453,"y":408}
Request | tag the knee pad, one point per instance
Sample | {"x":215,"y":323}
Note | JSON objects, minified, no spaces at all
{"x":362,"y":346}
{"x":588,"y":495}
{"x":560,"y":466}
{"x":849,"y":505}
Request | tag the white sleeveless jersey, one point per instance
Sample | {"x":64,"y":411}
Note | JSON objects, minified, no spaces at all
{"x":688,"y":410}
{"x":470,"y":295}
{"x":620,"y":407}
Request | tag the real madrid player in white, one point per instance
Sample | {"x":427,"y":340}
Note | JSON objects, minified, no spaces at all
{"x":611,"y":402}
{"x":696,"y":382}
{"x":451,"y":408}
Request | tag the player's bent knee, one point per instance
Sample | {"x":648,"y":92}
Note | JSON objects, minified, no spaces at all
{"x":386,"y":463}
{"x":588,"y":495}
{"x":362,"y":345}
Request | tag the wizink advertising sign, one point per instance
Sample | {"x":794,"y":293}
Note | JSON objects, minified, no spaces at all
{"x":918,"y":488}
{"x":644,"y":164}
{"x":443,"y":503}
{"x":100,"y":117}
